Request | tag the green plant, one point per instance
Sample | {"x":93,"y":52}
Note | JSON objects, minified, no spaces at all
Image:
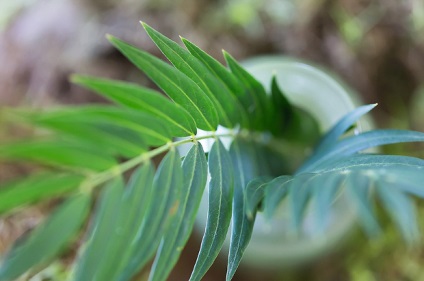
{"x":85,"y":149}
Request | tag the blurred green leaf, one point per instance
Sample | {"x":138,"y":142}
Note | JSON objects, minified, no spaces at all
{"x":275,"y":191}
{"x":128,"y":126}
{"x":178,"y":120}
{"x":401,"y":208}
{"x":103,"y":228}
{"x":36,"y":187}
{"x":48,"y":239}
{"x":57,"y":153}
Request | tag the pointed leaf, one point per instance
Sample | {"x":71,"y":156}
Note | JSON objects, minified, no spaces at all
{"x":245,"y":169}
{"x":130,"y":95}
{"x":298,"y":196}
{"x":36,"y":187}
{"x":131,"y":211}
{"x":174,"y":83}
{"x":57,"y":153}
{"x":358,"y":187}
{"x":283,"y":110}
{"x":173,"y":242}
{"x":96,"y":248}
{"x":254,"y":194}
{"x":231,"y":83}
{"x":162,"y":207}
{"x":324,"y":190}
{"x":260,"y":102}
{"x":219,"y":213}
{"x":401,"y":208}
{"x":48,"y":239}
{"x":275,"y":192}
{"x":354,"y":144}
{"x":224,"y":102}
{"x":132,"y":126}
{"x":112,"y":140}
{"x":332,"y":136}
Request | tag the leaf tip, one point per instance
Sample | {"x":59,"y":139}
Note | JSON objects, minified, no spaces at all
{"x":111,"y":38}
{"x":75,"y":78}
{"x":146,"y":27}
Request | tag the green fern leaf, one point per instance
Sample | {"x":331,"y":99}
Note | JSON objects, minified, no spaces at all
{"x":178,"y":120}
{"x":47,"y":240}
{"x":163,"y":205}
{"x":91,"y":262}
{"x":256,"y":92}
{"x":181,"y":225}
{"x":227,"y":79}
{"x":175,"y":84}
{"x":118,"y":233}
{"x":224,"y":102}
{"x":36,"y":187}
{"x":57,"y":153}
{"x":219,"y":213}
{"x":147,"y":128}
{"x":245,"y":169}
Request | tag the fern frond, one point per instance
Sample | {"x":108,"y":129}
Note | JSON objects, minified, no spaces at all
{"x":86,"y":148}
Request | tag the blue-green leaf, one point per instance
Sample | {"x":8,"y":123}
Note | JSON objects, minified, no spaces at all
{"x":48,"y":239}
{"x":174,"y":240}
{"x":219,"y":213}
{"x":298,"y":195}
{"x":357,"y":143}
{"x":358,"y":187}
{"x":245,"y":169}
{"x":131,"y":211}
{"x":333,"y":135}
{"x":118,"y":219}
{"x":324,"y":190}
{"x":224,"y":102}
{"x":179,"y":121}
{"x":401,"y":208}
{"x":275,"y":191}
{"x":36,"y":187}
{"x":175,"y":84}
{"x":102,"y":230}
{"x":162,"y":207}
{"x":254,"y":194}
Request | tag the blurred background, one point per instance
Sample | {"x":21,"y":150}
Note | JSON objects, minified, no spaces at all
{"x":375,"y":46}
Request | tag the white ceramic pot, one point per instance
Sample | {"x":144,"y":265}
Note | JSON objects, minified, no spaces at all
{"x":327,"y":99}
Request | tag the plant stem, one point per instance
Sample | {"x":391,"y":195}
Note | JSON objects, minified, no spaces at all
{"x":278,"y":145}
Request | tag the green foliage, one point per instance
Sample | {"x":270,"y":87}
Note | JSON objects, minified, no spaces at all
{"x":83,"y":149}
